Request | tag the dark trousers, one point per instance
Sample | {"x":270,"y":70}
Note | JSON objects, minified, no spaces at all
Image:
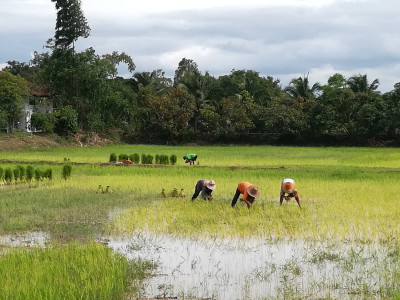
{"x":235,"y":198}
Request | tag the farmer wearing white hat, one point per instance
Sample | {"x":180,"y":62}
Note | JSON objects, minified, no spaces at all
{"x":206,"y":188}
{"x":250,"y":193}
{"x":289,"y":187}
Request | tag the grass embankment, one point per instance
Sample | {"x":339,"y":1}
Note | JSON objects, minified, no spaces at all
{"x":88,"y":271}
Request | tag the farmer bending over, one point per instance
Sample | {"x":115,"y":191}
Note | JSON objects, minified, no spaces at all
{"x":205,"y":187}
{"x":190,"y":158}
{"x":249,"y":191}
{"x":288,"y":187}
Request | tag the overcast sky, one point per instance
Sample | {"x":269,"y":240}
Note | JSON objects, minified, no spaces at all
{"x":284,"y":39}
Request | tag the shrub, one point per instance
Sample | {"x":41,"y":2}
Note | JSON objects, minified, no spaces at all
{"x":66,"y":121}
{"x":8,"y":175}
{"x":66,"y":171}
{"x":173,"y":159}
{"x":113,"y":157}
{"x":29,"y":173}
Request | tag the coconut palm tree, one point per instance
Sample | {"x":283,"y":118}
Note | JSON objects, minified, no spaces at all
{"x":359,"y":84}
{"x":300,"y":88}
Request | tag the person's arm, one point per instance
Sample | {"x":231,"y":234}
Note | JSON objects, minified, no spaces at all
{"x":281,"y":197}
{"x":297,"y":197}
{"x":235,"y":198}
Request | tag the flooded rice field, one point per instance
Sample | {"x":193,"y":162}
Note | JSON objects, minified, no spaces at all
{"x":255,"y":269}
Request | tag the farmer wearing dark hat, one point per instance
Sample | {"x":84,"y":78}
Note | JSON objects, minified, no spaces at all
{"x":205,"y":187}
{"x":288,"y":187}
{"x":190,"y":158}
{"x":250,"y":193}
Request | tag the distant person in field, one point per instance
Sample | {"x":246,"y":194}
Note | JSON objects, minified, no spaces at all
{"x":250,"y":193}
{"x":190,"y":158}
{"x":288,"y":191}
{"x":205,"y":187}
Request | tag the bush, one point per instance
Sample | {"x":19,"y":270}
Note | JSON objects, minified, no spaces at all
{"x":29,"y":173}
{"x":8,"y":175}
{"x":113,"y":157}
{"x":66,"y":121}
{"x":122,"y":157}
{"x":66,"y":171}
{"x":43,"y":121}
{"x":173,"y":159}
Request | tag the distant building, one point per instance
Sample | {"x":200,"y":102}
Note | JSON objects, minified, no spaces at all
{"x":38,"y":101}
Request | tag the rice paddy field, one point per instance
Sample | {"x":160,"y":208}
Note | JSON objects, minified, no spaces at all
{"x":133,"y":243}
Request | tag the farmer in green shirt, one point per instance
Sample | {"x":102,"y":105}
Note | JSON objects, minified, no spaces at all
{"x":190,"y":158}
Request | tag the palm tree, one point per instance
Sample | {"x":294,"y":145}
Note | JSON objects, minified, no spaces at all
{"x":359,"y":84}
{"x":299,"y":88}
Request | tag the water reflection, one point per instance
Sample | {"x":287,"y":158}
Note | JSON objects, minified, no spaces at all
{"x":252,"y":269}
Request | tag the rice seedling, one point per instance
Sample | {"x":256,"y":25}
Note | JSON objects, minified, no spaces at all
{"x":74,"y":271}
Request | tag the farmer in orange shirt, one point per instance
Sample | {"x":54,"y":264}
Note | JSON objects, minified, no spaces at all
{"x":249,"y":191}
{"x":288,"y":187}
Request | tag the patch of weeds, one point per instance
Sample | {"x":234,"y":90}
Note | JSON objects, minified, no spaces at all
{"x":319,"y":257}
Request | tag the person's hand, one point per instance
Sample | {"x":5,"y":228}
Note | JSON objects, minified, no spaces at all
{"x":210,"y":198}
{"x":287,"y":198}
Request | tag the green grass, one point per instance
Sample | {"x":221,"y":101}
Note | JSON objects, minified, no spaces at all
{"x":74,"y":271}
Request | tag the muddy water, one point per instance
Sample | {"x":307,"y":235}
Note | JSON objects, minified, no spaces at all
{"x":253,"y":269}
{"x":30,"y":239}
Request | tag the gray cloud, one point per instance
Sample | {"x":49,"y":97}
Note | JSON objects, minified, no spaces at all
{"x":349,"y":37}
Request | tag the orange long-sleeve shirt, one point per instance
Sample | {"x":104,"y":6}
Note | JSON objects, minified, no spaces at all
{"x":242,"y":187}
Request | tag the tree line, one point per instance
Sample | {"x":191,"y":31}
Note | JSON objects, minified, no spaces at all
{"x":148,"y":107}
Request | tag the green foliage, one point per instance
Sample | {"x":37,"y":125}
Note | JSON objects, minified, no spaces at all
{"x":49,"y":174}
{"x":1,"y":174}
{"x":113,"y":157}
{"x":16,"y":174}
{"x":38,"y":174}
{"x":13,"y":92}
{"x":67,"y":121}
{"x":8,"y":175}
{"x":30,"y":172}
{"x":149,"y":159}
{"x":144,"y":159}
{"x":71,"y":23}
{"x":173,"y":159}
{"x":43,"y":121}
{"x":66,"y":171}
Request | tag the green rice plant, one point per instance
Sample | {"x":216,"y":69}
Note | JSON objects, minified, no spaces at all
{"x":113,"y":157}
{"x":38,"y":174}
{"x":173,"y":159}
{"x":1,"y":174}
{"x":135,"y":158}
{"x":8,"y":175}
{"x":48,"y":174}
{"x":30,"y":172}
{"x":150,"y":159}
{"x":144,"y":159}
{"x":74,"y":271}
{"x":66,"y":172}
{"x":16,"y":174}
{"x":158,"y":160}
{"x":21,"y":172}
